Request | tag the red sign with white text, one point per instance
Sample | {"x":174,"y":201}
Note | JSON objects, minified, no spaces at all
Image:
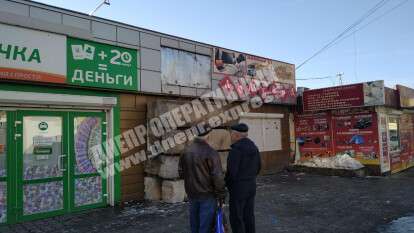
{"x":334,"y":98}
{"x":356,"y":133}
{"x":351,"y":131}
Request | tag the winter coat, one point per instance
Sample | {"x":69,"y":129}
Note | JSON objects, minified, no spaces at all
{"x":243,"y":166}
{"x":200,"y":167}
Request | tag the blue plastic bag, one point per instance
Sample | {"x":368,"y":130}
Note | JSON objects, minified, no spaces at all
{"x":219,"y":221}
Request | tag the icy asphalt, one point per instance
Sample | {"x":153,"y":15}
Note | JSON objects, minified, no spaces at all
{"x":286,"y":202}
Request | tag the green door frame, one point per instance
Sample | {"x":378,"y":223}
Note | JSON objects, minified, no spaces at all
{"x":69,"y":177}
{"x":10,"y":176}
{"x":12,"y":208}
{"x":19,"y":159}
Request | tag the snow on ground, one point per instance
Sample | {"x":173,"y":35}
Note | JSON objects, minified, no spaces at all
{"x":341,"y":161}
{"x":401,"y":225}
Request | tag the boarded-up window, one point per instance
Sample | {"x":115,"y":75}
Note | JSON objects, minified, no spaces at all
{"x":185,"y":68}
{"x":265,"y":130}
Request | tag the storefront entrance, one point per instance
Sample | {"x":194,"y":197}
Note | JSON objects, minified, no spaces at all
{"x":47,"y":166}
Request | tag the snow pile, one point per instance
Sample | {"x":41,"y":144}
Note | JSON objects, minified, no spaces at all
{"x":404,"y":224}
{"x":341,"y":161}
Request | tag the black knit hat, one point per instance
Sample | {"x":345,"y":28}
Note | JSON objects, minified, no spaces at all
{"x":241,"y":127}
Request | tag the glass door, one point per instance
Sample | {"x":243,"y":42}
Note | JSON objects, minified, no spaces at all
{"x":42,"y":177}
{"x":88,"y":179}
{"x":3,"y":167}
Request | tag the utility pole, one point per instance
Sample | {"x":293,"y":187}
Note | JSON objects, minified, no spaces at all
{"x":105,"y":2}
{"x":340,"y":75}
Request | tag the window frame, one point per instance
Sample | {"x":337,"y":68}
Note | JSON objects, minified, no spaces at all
{"x":398,"y":122}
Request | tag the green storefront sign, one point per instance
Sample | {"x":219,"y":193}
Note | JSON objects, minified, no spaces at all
{"x":94,"y":64}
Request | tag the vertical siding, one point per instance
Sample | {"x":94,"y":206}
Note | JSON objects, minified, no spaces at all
{"x":133,"y":113}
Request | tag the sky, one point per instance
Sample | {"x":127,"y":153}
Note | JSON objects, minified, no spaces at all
{"x":285,"y":30}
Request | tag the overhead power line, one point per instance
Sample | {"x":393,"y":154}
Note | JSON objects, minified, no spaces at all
{"x":370,"y":22}
{"x":315,"y":78}
{"x":380,"y":4}
{"x":339,"y":76}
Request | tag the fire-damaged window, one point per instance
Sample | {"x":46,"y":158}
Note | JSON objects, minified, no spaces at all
{"x":394,"y":133}
{"x":184,"y":68}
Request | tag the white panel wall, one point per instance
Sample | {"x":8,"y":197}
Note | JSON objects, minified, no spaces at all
{"x":265,"y":130}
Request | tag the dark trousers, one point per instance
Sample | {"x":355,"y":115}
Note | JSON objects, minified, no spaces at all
{"x":242,"y":215}
{"x":202,"y":213}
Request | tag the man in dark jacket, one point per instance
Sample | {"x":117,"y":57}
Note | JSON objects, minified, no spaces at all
{"x":243,"y":166}
{"x":200,"y":167}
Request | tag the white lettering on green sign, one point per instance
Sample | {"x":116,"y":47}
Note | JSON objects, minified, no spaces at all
{"x":102,"y":65}
{"x":80,"y":76}
{"x":18,"y":53}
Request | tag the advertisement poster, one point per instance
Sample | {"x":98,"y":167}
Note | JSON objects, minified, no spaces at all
{"x":406,"y":138}
{"x":333,"y":98}
{"x":36,"y":56}
{"x":385,"y":158}
{"x":229,"y":63}
{"x":313,"y":135}
{"x":100,"y":65}
{"x":406,"y":96}
{"x":260,"y":68}
{"x":275,"y":93}
{"x":272,"y":71}
{"x":30,"y":55}
{"x":355,"y":133}
{"x":347,"y":96}
{"x":278,"y":93}
{"x":285,"y":73}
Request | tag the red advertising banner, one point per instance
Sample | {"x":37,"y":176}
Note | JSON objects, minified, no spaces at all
{"x":351,"y":131}
{"x":356,"y":133}
{"x":385,"y":160}
{"x":313,"y":134}
{"x":355,"y":95}
{"x":406,"y":139}
{"x":333,"y":98}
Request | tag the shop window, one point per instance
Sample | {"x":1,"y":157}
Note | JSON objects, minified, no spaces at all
{"x":394,"y":133}
{"x":185,"y":68}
